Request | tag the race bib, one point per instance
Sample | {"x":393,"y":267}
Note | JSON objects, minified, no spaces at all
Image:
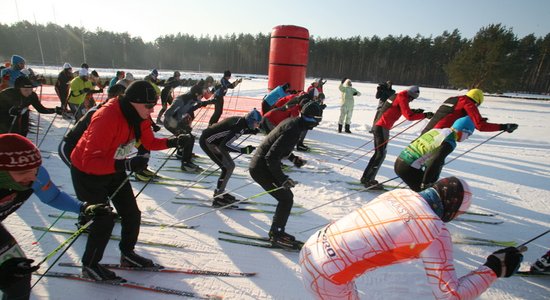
{"x":124,"y":150}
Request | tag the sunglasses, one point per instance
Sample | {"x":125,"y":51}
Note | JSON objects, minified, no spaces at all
{"x":150,"y":105}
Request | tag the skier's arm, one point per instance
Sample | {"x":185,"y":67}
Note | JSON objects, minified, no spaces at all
{"x":480,"y":124}
{"x":280,"y":148}
{"x":439,"y":267}
{"x":38,"y":106}
{"x":48,"y":193}
{"x":148,"y":139}
{"x":407,"y":112}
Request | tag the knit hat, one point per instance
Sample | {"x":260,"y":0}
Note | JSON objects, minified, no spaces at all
{"x":141,"y":91}
{"x":227,"y":73}
{"x":67,"y":66}
{"x":83,"y":72}
{"x":413,"y":91}
{"x":17,"y":153}
{"x":22,"y":82}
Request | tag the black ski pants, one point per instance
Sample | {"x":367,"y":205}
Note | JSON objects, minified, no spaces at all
{"x":96,"y":189}
{"x":261,"y":174}
{"x":12,"y":287}
{"x":218,"y":109}
{"x":381,"y":136}
{"x":221,"y":158}
{"x":411,"y":176}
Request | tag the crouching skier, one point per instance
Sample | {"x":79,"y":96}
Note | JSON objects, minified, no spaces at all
{"x":217,"y":141}
{"x":399,"y":226}
{"x":265,"y":169}
{"x":21,"y":175}
{"x":98,"y":168}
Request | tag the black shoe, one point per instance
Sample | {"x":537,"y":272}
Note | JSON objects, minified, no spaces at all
{"x":302,"y":147}
{"x":224,"y":200}
{"x":372,"y":185}
{"x":134,"y":260}
{"x":347,"y":128}
{"x":98,"y":272}
{"x":280,"y":238}
{"x":190,"y":167}
{"x":542,"y":265}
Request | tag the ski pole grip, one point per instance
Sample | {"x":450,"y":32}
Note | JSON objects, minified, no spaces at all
{"x":522,"y":249}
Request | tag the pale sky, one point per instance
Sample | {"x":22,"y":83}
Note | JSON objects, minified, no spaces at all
{"x":323,"y":18}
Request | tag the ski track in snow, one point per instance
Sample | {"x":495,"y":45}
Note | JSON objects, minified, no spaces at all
{"x":510,"y":175}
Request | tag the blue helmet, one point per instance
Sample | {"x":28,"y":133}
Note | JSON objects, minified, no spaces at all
{"x":464,"y":125}
{"x":253,"y":116}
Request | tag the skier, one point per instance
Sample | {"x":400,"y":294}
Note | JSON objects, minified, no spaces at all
{"x":313,"y":89}
{"x":272,"y":97}
{"x":9,"y":75}
{"x":178,"y":119}
{"x":99,"y":164}
{"x":128,"y":78}
{"x":167,"y":94}
{"x":22,"y":175}
{"x":384,"y":92}
{"x":217,"y":141}
{"x":265,"y":169}
{"x":14,"y":104}
{"x":220,"y":92}
{"x":152,"y":78}
{"x":347,"y":102}
{"x":399,"y":226}
{"x":118,"y":76}
{"x":420,"y":164}
{"x":391,"y":112}
{"x":456,"y":107}
{"x":286,"y":107}
{"x":80,"y":87}
{"x":62,"y":84}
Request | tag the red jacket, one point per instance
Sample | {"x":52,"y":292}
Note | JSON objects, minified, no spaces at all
{"x":283,"y":101}
{"x":466,"y":106}
{"x":109,"y":131}
{"x":400,"y":106}
{"x":276,"y":115}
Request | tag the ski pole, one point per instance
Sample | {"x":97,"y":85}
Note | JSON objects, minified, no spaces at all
{"x":156,"y":171}
{"x":384,"y":143}
{"x":363,"y":145}
{"x":47,"y":130}
{"x":38,"y":123}
{"x":347,"y":195}
{"x":226,"y":206}
{"x":523,"y":247}
{"x":70,"y":242}
{"x":469,"y":150}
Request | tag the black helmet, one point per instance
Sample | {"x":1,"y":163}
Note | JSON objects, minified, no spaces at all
{"x":140,"y":91}
{"x":227,"y":73}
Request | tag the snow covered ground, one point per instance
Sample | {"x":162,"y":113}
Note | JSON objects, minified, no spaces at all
{"x":510,"y":175}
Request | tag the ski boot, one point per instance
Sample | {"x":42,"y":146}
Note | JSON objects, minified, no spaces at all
{"x":98,"y":272}
{"x":542,"y":265}
{"x":280,"y":239}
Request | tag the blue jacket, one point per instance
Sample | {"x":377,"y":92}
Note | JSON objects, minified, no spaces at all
{"x":276,"y":94}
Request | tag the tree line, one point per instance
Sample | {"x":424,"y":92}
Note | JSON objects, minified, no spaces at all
{"x":495,"y":59}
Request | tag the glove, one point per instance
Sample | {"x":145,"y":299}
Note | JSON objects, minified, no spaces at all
{"x":178,"y":141}
{"x":248,"y":149}
{"x":504,"y":262}
{"x":485,"y":119}
{"x":14,"y":111}
{"x":289,"y":183}
{"x":323,"y":106}
{"x":58,"y":110}
{"x":355,"y":93}
{"x":156,"y":128}
{"x":85,"y":91}
{"x":298,"y":162}
{"x":418,"y":111}
{"x":134,"y":164}
{"x":428,"y":115}
{"x":510,"y":127}
{"x":92,"y":210}
{"x":15,"y":268}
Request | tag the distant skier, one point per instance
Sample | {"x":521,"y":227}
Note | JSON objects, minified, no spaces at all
{"x":265,"y":169}
{"x":347,"y":102}
{"x":62,"y":84}
{"x":220,"y":92}
{"x":420,"y":164}
{"x":273,"y":96}
{"x":167,"y":94}
{"x":22,"y":176}
{"x":10,"y":74}
{"x":391,"y":112}
{"x":466,"y":105}
{"x":396,"y":227}
{"x":217,"y":141}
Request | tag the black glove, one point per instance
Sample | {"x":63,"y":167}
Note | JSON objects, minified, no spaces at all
{"x":418,"y":111}
{"x":289,"y":183}
{"x":428,"y":115}
{"x":58,"y":110}
{"x":505,"y":262}
{"x":323,"y":106}
{"x":355,"y":93}
{"x":298,"y":162}
{"x":92,"y":210}
{"x":15,"y":268}
{"x":156,"y":128}
{"x":510,"y":127}
{"x":14,"y":111}
{"x":485,"y":119}
{"x":248,"y":149}
{"x":178,"y":141}
{"x":134,"y":164}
